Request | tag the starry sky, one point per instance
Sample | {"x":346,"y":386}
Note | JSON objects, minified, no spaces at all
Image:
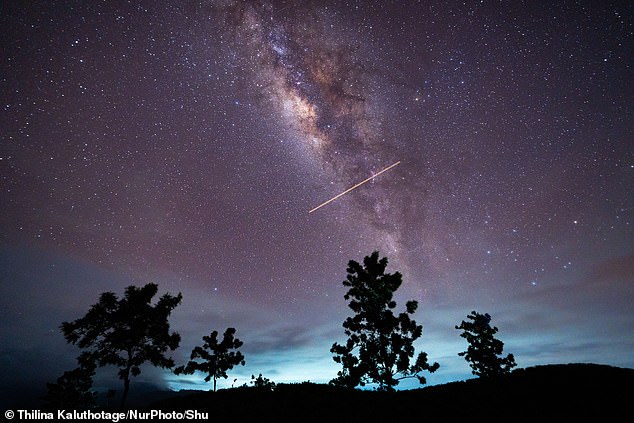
{"x":183,"y":143}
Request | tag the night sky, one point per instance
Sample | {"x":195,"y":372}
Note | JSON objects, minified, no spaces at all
{"x":184,"y":143}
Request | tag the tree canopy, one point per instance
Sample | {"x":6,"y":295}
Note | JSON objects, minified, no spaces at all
{"x":218,"y":357}
{"x":380,"y":346}
{"x":126,"y":332}
{"x":484,"y":353}
{"x":73,"y":389}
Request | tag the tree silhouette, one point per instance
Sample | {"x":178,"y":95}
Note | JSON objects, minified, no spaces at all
{"x":218,"y":357}
{"x":484,"y":351}
{"x":380,"y":344}
{"x":73,"y":388}
{"x":126,"y":332}
{"x":262,"y":383}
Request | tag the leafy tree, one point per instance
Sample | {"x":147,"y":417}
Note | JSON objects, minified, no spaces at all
{"x":126,"y":332}
{"x":262,"y":383}
{"x":73,"y":388}
{"x":217,"y":357}
{"x":380,"y":344}
{"x":484,"y":351}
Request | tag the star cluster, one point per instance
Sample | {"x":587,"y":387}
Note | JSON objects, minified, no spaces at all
{"x":184,"y":143}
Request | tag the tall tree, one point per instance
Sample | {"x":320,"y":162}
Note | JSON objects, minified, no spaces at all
{"x":484,"y":353}
{"x":380,"y":345}
{"x":126,"y":332}
{"x":217,"y":357}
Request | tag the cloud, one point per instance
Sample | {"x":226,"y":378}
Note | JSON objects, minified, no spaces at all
{"x":619,"y":270}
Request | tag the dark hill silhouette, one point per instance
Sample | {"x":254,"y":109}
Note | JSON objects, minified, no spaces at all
{"x":545,"y":393}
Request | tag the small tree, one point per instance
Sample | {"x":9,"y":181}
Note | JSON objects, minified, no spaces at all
{"x":126,"y":332}
{"x":73,"y":389}
{"x":262,"y":383}
{"x":484,"y":351}
{"x":217,"y":357}
{"x":380,"y":344}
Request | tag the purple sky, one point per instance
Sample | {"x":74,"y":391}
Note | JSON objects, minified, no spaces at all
{"x":184,"y":144}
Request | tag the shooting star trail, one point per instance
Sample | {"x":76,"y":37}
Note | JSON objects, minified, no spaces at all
{"x":355,"y":186}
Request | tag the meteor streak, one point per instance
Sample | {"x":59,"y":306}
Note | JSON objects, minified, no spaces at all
{"x":355,"y":186}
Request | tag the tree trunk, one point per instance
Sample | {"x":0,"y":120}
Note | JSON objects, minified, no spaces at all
{"x":126,"y":387}
{"x":214,"y":383}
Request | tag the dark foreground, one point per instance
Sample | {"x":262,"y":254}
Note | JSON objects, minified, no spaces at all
{"x":543,"y":393}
